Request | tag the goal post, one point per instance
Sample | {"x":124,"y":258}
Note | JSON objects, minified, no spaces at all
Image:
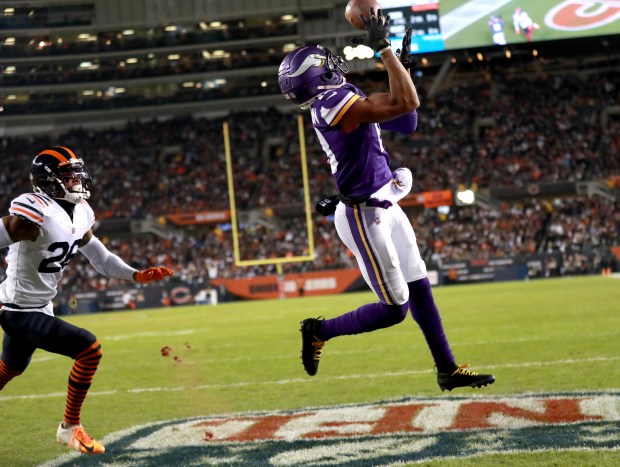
{"x":233,"y":209}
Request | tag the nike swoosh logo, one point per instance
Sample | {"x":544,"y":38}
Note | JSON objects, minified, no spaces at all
{"x":88,"y":448}
{"x":30,"y":199}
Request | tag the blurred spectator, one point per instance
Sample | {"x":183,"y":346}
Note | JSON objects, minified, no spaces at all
{"x":148,"y":169}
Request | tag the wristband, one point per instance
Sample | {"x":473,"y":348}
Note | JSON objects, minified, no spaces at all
{"x":382,"y":51}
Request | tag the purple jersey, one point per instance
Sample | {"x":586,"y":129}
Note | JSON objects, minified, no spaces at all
{"x":359,"y":163}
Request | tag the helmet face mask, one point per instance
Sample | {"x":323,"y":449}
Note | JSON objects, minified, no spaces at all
{"x":307,"y":72}
{"x":58,"y":173}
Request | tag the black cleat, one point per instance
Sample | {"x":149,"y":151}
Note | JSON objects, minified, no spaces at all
{"x":311,"y":346}
{"x":462,"y":378}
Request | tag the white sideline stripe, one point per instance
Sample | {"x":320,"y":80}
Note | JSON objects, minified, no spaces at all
{"x":305,"y":380}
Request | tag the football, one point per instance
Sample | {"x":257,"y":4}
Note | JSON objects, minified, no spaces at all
{"x":355,"y":8}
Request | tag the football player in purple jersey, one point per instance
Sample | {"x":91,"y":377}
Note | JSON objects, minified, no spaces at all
{"x":367,"y":217}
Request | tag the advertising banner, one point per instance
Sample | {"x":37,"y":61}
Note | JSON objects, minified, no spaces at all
{"x":294,"y":285}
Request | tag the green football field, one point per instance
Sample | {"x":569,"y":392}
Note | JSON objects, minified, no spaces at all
{"x":548,"y":337}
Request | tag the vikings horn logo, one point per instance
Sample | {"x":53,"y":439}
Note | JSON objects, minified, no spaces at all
{"x":310,"y":61}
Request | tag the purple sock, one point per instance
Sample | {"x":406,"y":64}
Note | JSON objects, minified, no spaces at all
{"x":426,"y":314}
{"x":365,"y":319}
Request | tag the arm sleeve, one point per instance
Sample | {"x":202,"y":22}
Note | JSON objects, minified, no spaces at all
{"x":105,"y":262}
{"x":404,"y":124}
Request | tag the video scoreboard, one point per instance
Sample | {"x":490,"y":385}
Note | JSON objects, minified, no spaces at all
{"x":423,"y":16}
{"x":464,"y":24}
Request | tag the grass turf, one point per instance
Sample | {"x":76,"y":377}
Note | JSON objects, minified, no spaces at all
{"x":556,"y":335}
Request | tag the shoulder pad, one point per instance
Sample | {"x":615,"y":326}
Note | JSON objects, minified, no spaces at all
{"x":29,"y":206}
{"x":333,"y":104}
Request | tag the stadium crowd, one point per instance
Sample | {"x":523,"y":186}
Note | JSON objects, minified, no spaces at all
{"x":482,"y":132}
{"x":117,"y":69}
{"x":194,"y":34}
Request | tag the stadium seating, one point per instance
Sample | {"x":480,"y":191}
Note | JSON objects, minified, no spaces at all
{"x":475,"y":130}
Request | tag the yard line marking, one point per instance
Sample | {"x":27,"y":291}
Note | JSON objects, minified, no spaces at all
{"x":530,"y":339}
{"x":414,"y":345}
{"x":45,"y":358}
{"x":53,"y":394}
{"x":182,"y":332}
{"x":306,"y":379}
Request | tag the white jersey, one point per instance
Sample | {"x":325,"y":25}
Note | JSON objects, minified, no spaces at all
{"x":35,"y":268}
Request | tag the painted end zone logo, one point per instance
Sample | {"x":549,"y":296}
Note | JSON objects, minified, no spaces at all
{"x":372,"y":434}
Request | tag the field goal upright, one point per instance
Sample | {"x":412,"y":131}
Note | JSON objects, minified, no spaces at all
{"x":278,"y":261}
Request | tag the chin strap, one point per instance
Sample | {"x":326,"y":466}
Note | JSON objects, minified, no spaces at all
{"x":75,"y":197}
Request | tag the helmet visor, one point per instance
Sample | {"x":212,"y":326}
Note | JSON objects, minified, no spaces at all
{"x":75,"y":176}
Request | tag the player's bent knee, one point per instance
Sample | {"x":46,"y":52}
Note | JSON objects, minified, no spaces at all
{"x":398,"y":313}
{"x":14,"y":366}
{"x":87,"y":338}
{"x":86,"y":343}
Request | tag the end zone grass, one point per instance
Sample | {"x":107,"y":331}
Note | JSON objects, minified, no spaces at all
{"x":556,"y":335}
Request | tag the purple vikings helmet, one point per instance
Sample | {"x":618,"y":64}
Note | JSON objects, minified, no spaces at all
{"x":307,"y":72}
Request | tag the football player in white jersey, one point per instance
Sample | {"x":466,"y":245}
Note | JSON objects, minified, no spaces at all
{"x":367,"y":217}
{"x":44,"y":230}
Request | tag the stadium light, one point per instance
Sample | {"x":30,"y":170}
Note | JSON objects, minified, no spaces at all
{"x":357,"y":52}
{"x":465,"y":197}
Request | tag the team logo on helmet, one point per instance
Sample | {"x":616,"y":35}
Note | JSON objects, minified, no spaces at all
{"x":311,"y":60}
{"x":307,"y":72}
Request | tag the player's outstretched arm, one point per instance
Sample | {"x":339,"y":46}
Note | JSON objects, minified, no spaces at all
{"x":110,"y":265}
{"x":405,"y":124}
{"x":402,"y":98}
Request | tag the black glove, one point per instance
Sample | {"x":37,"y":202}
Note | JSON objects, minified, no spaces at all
{"x":404,"y":54}
{"x":327,"y":206}
{"x":377,"y":31}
